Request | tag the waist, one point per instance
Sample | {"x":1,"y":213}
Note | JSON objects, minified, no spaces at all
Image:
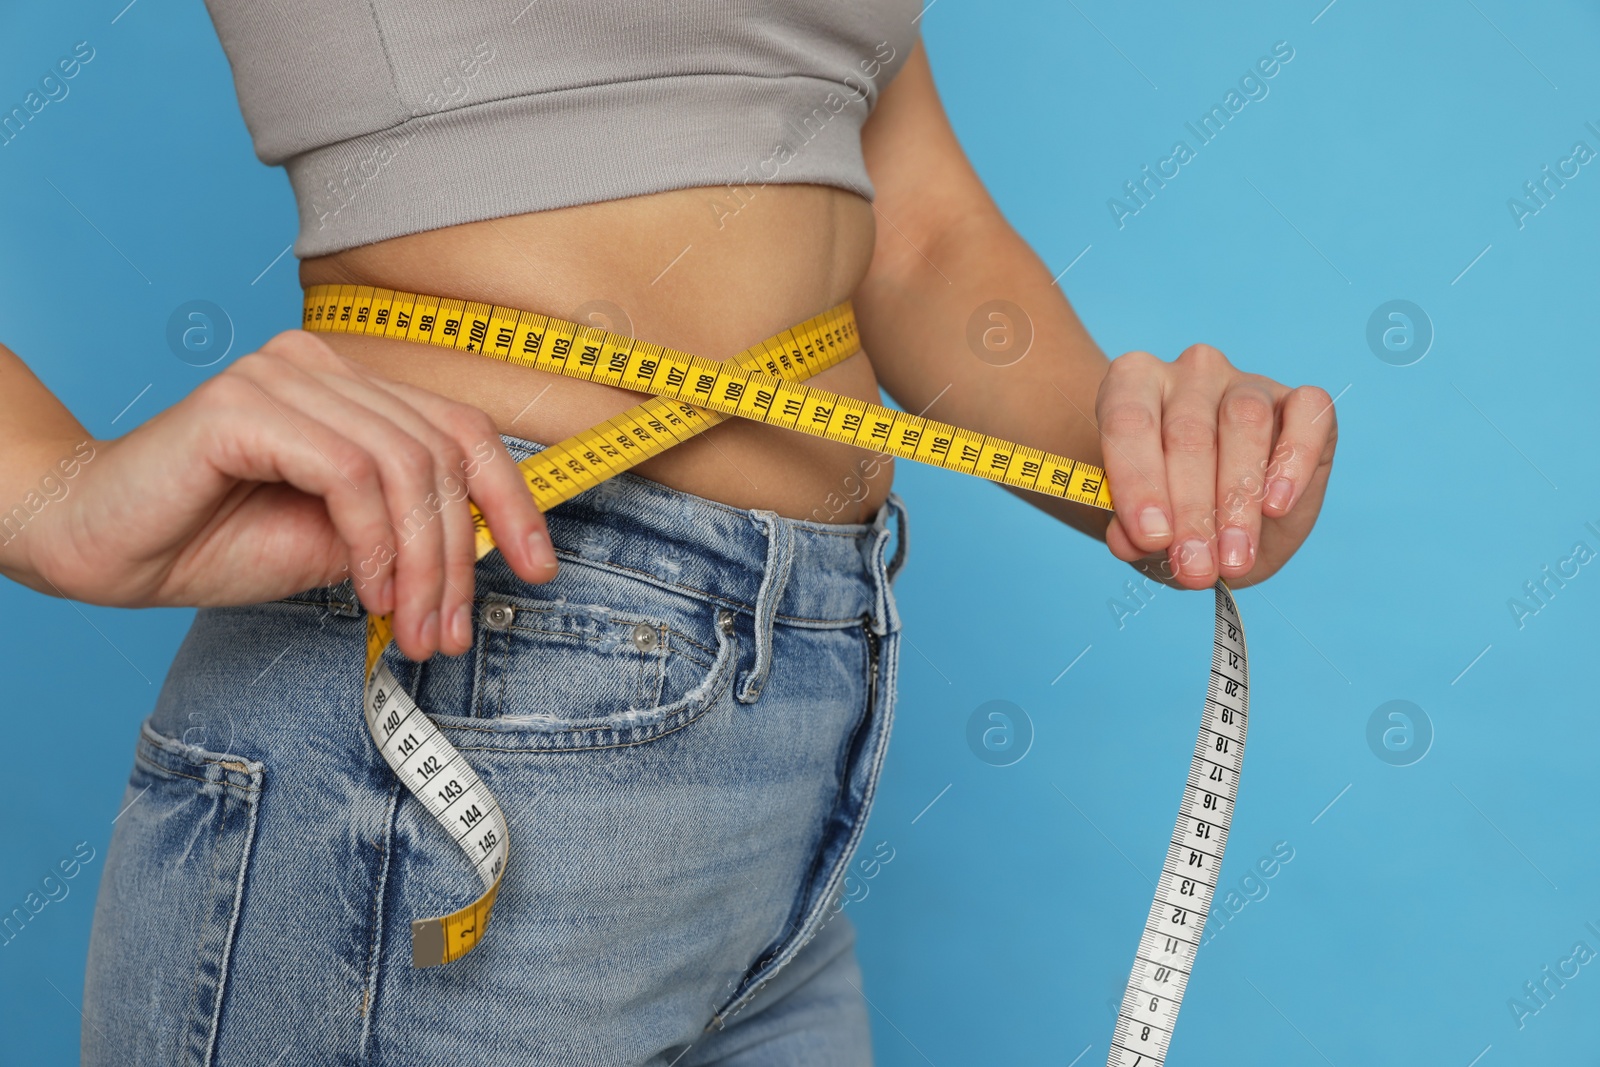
{"x":689,"y":269}
{"x":823,"y":574}
{"x":698,"y":546}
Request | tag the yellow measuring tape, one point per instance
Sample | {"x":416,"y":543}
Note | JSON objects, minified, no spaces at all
{"x":690,"y":394}
{"x":761,"y":384}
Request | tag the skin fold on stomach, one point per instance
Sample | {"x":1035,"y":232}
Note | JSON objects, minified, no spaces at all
{"x":706,"y":270}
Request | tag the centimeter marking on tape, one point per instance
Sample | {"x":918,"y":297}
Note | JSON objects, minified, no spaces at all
{"x":690,"y":394}
{"x":1165,"y":959}
{"x":439,"y":776}
{"x":727,"y":388}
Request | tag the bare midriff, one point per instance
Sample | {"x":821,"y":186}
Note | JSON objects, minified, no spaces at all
{"x":707,"y":271}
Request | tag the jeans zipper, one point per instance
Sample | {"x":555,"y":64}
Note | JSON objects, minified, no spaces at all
{"x":872,"y":662}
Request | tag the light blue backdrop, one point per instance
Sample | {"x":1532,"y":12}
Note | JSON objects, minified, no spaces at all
{"x":1378,"y":166}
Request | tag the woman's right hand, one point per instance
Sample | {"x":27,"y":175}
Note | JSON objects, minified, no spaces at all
{"x":291,"y":469}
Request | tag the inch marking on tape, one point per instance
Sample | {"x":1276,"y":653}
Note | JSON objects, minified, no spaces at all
{"x":690,"y":394}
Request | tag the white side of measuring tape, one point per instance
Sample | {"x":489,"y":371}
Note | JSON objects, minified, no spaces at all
{"x":1188,"y":880}
{"x":448,"y":787}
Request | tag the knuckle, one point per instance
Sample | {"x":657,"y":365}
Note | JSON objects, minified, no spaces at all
{"x":1284,"y":461}
{"x":1202,"y":357}
{"x":451,"y":456}
{"x":1313,"y":396}
{"x":262,"y":363}
{"x":1247,"y":409}
{"x":278,"y":344}
{"x":478,"y":422}
{"x":356,"y":463}
{"x":227,"y":391}
{"x":1134,"y":362}
{"x":359,"y":463}
{"x":298,"y":344}
{"x":1236,"y":502}
{"x":450,"y":463}
{"x":461,"y":559}
{"x":1127,"y":418}
{"x":1194,"y":519}
{"x":1189,"y":433}
{"x":1314,"y":403}
{"x":414,"y":457}
{"x":455,"y":418}
{"x":464,"y":423}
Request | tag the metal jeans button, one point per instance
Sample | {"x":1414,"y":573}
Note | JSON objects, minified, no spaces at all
{"x":644,"y":637}
{"x":497,"y":616}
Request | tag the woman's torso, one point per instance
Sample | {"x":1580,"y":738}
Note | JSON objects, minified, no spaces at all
{"x":705,"y":270}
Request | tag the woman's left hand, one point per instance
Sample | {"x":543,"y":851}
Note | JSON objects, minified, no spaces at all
{"x":1215,"y":472}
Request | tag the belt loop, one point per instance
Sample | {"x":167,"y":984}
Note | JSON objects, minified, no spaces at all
{"x":780,"y":561}
{"x":885,"y":616}
{"x":902,"y":544}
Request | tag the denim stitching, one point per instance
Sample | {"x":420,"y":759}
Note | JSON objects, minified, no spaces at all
{"x":375,"y":944}
{"x":888,"y":668}
{"x":647,"y":734}
{"x":207,"y":781}
{"x":143,"y":753}
{"x":191,"y":1021}
{"x":699,"y":593}
{"x":246,"y":847}
{"x":786,"y":937}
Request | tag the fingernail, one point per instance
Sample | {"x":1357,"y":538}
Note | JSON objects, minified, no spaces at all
{"x":1194,"y":557}
{"x":461,"y":625}
{"x":430,"y":630}
{"x":386,"y":595}
{"x":539,"y":547}
{"x":1235,"y":546}
{"x":1279,"y":493}
{"x":1153,"y":523}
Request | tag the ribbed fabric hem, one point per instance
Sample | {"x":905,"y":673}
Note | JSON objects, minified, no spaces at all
{"x":577,"y":146}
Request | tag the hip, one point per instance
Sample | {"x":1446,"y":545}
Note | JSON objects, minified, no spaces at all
{"x":685,"y":730}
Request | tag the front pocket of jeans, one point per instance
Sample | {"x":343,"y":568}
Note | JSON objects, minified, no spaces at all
{"x":168,"y":905}
{"x":548,"y":682}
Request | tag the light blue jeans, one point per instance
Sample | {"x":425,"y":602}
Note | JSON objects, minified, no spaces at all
{"x":683,"y":797}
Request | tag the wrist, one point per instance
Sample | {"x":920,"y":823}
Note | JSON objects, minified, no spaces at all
{"x":35,"y":548}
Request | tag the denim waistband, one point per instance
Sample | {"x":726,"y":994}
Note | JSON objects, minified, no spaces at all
{"x":800,"y":572}
{"x":777,"y":569}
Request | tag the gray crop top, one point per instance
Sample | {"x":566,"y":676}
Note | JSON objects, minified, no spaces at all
{"x":397,"y":116}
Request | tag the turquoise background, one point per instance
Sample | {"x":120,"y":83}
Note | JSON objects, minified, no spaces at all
{"x":1420,"y":898}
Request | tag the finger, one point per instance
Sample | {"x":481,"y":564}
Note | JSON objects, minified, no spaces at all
{"x":1122,"y":548}
{"x":465,"y":444}
{"x":1189,"y":440}
{"x":1246,"y":421}
{"x":1281,"y":538}
{"x":409,"y":478}
{"x":460,"y":561}
{"x":1128,"y":410}
{"x":495,"y":483}
{"x":444,"y":509}
{"x":446,"y":431}
{"x":254,"y":436}
{"x":1307,"y":436}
